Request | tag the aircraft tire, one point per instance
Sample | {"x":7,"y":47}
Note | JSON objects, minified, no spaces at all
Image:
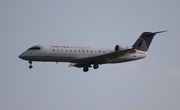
{"x":30,"y":67}
{"x":85,"y":69}
{"x":96,"y":66}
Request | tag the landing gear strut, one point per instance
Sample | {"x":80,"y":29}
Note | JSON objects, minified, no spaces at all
{"x":30,"y":66}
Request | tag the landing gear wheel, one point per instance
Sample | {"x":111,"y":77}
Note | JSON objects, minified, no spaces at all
{"x":30,"y":62}
{"x":96,"y":66}
{"x":85,"y":69}
{"x":30,"y":67}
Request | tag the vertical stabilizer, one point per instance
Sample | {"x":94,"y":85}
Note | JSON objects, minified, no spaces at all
{"x":144,"y":41}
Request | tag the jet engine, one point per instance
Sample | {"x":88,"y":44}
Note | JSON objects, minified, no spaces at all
{"x":121,"y":47}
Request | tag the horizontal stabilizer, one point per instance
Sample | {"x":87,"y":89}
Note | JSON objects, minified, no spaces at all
{"x":159,"y":32}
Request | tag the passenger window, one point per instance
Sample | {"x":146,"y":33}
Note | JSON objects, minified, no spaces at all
{"x":79,"y":51}
{"x":99,"y":51}
{"x":91,"y":51}
{"x":87,"y":50}
{"x":70,"y":50}
{"x":74,"y":50}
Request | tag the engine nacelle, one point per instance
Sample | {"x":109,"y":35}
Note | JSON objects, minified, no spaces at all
{"x":121,"y":47}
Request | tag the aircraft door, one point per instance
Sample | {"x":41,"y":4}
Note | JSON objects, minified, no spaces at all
{"x":47,"y":50}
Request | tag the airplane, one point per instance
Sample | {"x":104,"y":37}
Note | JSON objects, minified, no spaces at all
{"x":86,"y":57}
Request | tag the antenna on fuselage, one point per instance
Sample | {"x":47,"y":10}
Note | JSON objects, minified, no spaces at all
{"x":77,"y":46}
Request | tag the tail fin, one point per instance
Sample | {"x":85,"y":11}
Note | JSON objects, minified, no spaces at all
{"x":144,"y":41}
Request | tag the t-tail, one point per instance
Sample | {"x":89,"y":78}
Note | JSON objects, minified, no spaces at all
{"x":144,"y":41}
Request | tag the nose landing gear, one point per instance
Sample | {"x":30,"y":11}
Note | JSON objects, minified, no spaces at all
{"x":30,"y":66}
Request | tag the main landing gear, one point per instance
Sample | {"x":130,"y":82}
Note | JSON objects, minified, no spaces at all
{"x":86,"y":68}
{"x":30,"y":66}
{"x":96,"y":66}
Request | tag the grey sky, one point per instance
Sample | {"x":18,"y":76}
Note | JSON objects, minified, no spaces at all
{"x":152,"y":83}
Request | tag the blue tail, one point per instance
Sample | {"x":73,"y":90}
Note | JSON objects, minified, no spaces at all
{"x":144,"y":41}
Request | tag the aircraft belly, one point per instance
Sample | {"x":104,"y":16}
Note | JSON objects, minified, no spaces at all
{"x":120,"y":60}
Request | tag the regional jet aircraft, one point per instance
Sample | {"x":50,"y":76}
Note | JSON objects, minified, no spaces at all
{"x":86,"y":57}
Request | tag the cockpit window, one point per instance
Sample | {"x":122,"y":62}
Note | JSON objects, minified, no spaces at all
{"x":34,"y":48}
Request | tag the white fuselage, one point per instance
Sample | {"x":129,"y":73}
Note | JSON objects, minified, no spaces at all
{"x":73,"y":54}
{"x":86,"y":57}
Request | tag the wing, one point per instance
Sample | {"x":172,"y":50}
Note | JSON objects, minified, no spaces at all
{"x":100,"y":59}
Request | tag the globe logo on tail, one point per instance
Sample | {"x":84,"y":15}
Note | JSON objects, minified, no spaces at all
{"x":141,"y":44}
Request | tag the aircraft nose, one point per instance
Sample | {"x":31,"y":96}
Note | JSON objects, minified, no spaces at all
{"x":23,"y":56}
